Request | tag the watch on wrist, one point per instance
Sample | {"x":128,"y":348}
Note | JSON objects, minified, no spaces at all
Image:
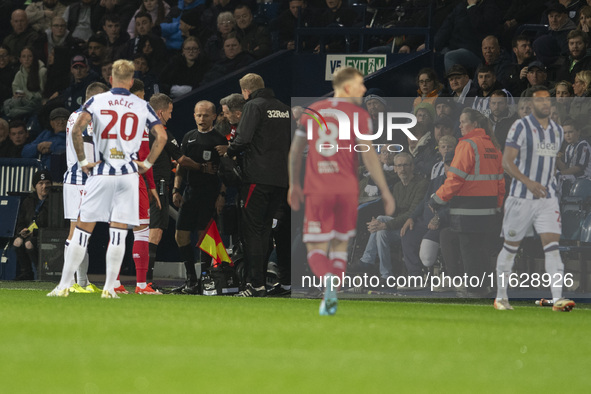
{"x":223,"y":194}
{"x":175,"y":190}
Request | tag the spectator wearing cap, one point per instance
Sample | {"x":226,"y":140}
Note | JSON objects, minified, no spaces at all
{"x":33,"y":210}
{"x":460,"y":84}
{"x":429,"y":87}
{"x":572,"y":8}
{"x":578,"y":58}
{"x":50,"y":141}
{"x":420,"y":233}
{"x":460,"y":36}
{"x":559,"y":25}
{"x":442,"y":127}
{"x":534,"y":74}
{"x":97,"y":51}
{"x":376,"y":106}
{"x":82,"y":76}
{"x":190,"y":24}
{"x":171,"y":31}
{"x":444,"y":107}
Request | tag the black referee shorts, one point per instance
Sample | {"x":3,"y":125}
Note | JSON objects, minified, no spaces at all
{"x":198,"y":208}
{"x":159,"y":217}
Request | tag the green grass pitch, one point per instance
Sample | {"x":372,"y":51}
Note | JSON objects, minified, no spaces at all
{"x":188,"y":344}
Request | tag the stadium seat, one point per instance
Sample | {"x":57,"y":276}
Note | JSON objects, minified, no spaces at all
{"x":575,"y":207}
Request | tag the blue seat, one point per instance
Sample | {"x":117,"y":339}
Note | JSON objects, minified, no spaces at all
{"x":575,"y":208}
{"x":581,"y":188}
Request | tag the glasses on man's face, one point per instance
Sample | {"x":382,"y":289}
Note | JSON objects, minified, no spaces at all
{"x":237,"y":17}
{"x":424,"y":81}
{"x":192,"y":49}
{"x":59,"y":26}
{"x":225,"y":23}
{"x":402,"y":165}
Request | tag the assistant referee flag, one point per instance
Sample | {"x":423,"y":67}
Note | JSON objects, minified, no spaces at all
{"x":212,"y":244}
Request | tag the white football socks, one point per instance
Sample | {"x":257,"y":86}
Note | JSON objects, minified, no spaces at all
{"x":554,"y":267}
{"x":82,"y":272}
{"x":505,"y":262}
{"x":74,"y":255}
{"x":115,"y":253}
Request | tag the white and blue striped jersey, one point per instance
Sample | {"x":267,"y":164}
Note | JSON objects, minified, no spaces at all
{"x":74,"y":174}
{"x":536,"y":158}
{"x":578,"y":155}
{"x":437,"y":170}
{"x":118,"y":119}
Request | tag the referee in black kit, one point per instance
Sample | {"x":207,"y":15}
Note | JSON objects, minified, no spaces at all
{"x":263,"y":136}
{"x":162,"y":105}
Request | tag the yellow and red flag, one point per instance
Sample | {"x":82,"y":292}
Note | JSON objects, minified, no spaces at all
{"x":212,"y":244}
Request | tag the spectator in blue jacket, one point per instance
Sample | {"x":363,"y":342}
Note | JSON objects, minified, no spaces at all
{"x":171,"y":31}
{"x":50,"y":141}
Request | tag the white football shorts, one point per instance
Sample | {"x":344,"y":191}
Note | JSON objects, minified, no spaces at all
{"x":111,"y":198}
{"x":523,"y":215}
{"x":72,"y":200}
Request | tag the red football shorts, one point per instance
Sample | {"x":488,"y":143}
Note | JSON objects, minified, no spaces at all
{"x":330,"y":216}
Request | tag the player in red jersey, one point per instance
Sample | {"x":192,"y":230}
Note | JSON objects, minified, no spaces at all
{"x":141,"y":233}
{"x":331,"y":184}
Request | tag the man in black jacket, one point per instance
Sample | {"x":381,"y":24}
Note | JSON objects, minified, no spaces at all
{"x":263,"y":136}
{"x":32,"y":215}
{"x":255,"y":39}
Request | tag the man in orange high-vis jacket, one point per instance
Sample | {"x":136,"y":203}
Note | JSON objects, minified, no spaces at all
{"x":475,"y":188}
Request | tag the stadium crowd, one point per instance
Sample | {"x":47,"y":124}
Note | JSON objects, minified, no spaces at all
{"x":55,"y":49}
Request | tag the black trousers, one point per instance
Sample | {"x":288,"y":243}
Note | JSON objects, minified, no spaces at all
{"x":450,"y":251}
{"x":476,"y":250}
{"x":259,"y":205}
{"x":282,"y":237}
